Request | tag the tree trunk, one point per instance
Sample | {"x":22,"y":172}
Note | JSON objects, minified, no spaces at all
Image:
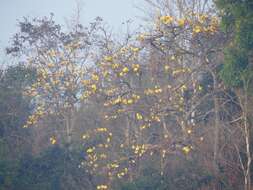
{"x":243,"y":98}
{"x":69,"y":130}
{"x":247,"y":142}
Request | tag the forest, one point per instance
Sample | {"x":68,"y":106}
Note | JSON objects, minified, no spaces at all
{"x":168,"y":106}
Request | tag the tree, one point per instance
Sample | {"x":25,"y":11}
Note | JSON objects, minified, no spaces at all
{"x":237,"y":22}
{"x":153,"y":99}
{"x":14,"y":111}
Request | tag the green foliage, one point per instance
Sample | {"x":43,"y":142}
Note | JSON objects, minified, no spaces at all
{"x":187,"y":175}
{"x":14,"y":107}
{"x":54,"y":169}
{"x":149,"y":180}
{"x":14,"y":110}
{"x":237,"y":16}
{"x":7,"y":173}
{"x":236,"y":62}
{"x":237,"y":22}
{"x":40,"y":172}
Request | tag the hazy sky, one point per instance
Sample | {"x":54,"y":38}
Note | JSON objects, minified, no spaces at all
{"x":113,"y":11}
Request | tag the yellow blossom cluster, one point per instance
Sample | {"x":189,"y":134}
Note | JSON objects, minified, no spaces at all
{"x":108,"y":58}
{"x":52,"y":140}
{"x":152,"y":91}
{"x":102,"y":187}
{"x":205,"y":24}
{"x":200,"y":23}
{"x":166,"y":19}
{"x":122,"y":173}
{"x":101,"y":129}
{"x":139,"y":149}
{"x":135,"y":67}
{"x":34,"y":118}
{"x":125,"y":101}
{"x":186,"y":149}
{"x":139,"y":116}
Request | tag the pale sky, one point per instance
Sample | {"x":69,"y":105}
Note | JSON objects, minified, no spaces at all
{"x":114,"y":12}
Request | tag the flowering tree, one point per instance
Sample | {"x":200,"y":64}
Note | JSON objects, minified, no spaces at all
{"x":127,"y":104}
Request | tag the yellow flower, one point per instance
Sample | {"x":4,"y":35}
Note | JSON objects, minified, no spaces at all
{"x":139,"y":116}
{"x":94,"y":87}
{"x":52,"y":140}
{"x":202,"y":18}
{"x":129,"y":101}
{"x":156,"y":118}
{"x":157,"y":89}
{"x":101,"y":129}
{"x":90,"y":150}
{"x":141,"y":37}
{"x":136,"y":97}
{"x":125,"y":70}
{"x":143,"y":127}
{"x":189,"y":131}
{"x":124,"y":101}
{"x":116,"y":101}
{"x":181,"y":22}
{"x":115,"y":65}
{"x":114,"y":165}
{"x":95,"y":77}
{"x":85,"y":136}
{"x":102,"y":187}
{"x":186,"y":149}
{"x":135,"y":67}
{"x":166,"y":19}
{"x":103,"y":156}
{"x":148,"y":91}
{"x":108,"y":58}
{"x":197,"y":29}
{"x":135,"y":49}
{"x":166,"y":67}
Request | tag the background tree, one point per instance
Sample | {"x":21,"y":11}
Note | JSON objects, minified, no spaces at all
{"x":237,"y":72}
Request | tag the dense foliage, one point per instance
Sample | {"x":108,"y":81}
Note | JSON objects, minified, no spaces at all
{"x":237,"y":22}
